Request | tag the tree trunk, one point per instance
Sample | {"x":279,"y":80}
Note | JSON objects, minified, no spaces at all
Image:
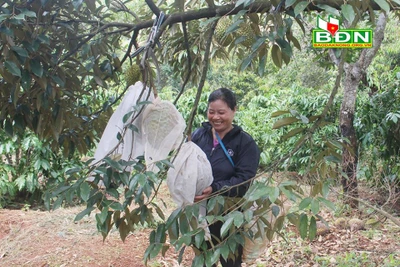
{"x":354,"y":72}
{"x":353,"y":76}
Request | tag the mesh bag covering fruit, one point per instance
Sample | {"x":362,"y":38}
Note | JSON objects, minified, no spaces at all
{"x":191,"y":174}
{"x":163,"y":128}
{"x":131,"y":145}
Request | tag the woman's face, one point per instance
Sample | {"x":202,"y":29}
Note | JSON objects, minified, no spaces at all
{"x":220,"y":115}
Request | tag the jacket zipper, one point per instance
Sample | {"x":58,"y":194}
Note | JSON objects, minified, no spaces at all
{"x":212,"y":151}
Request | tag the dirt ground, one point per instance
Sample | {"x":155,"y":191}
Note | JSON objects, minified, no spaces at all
{"x":39,"y":238}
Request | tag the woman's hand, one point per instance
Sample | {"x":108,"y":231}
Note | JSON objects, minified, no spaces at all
{"x":205,"y":194}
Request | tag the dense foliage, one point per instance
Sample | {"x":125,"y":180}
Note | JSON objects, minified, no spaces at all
{"x":29,"y":168}
{"x":59,"y":59}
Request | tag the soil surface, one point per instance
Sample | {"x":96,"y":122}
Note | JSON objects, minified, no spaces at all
{"x":40,"y":238}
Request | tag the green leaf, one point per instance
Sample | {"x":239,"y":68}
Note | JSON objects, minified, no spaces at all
{"x":303,"y":225}
{"x":9,"y":128}
{"x":199,"y":239}
{"x":226,"y":226}
{"x":279,"y":112}
{"x":12,"y":68}
{"x":20,"y":51}
{"x":283,"y":122}
{"x":20,"y":16}
{"x":113,"y":163}
{"x":123,"y":230}
{"x":315,"y":206}
{"x":383,"y":4}
{"x":207,"y":22}
{"x":292,"y":133}
{"x":83,"y":213}
{"x":224,"y":250}
{"x":332,"y":158}
{"x":58,"y":202}
{"x":313,"y":229}
{"x":244,"y":2}
{"x":305,"y":203}
{"x":293,"y":218}
{"x":127,"y":116}
{"x":258,"y":43}
{"x":237,"y":218}
{"x":257,"y":193}
{"x":186,"y":239}
{"x":4,"y":17}
{"x":173,"y":230}
{"x":198,"y":260}
{"x":278,"y":225}
{"x":77,"y":3}
{"x":300,"y":7}
{"x":36,"y":67}
{"x":28,"y":13}
{"x":160,"y":234}
{"x":275,"y":210}
{"x":276,"y":55}
{"x":214,"y":258}
{"x":261,"y":65}
{"x":85,"y":191}
{"x":274,"y":194}
{"x":329,"y":9}
{"x":327,"y":203}
{"x":288,"y":193}
{"x":172,"y":218}
{"x":248,"y":215}
{"x":295,"y":42}
{"x":246,"y":62}
{"x":325,"y":189}
{"x":102,"y":216}
{"x":289,"y":3}
{"x":348,"y":13}
{"x":116,"y":206}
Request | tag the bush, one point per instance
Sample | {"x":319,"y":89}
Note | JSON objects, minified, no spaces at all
{"x":29,"y":167}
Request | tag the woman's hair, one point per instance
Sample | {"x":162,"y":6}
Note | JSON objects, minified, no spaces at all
{"x":225,"y":95}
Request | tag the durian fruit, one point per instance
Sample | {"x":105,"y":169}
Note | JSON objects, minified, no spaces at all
{"x":246,"y":30}
{"x":133,"y":74}
{"x":340,"y":223}
{"x":356,"y":224}
{"x":220,"y":37}
{"x":322,"y":229}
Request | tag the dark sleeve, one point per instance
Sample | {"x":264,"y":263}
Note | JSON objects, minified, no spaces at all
{"x":195,"y":136}
{"x":246,"y":166}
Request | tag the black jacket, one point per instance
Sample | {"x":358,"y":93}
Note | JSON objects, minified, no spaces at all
{"x":244,"y":152}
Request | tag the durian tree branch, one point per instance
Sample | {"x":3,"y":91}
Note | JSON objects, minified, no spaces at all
{"x":257,"y":7}
{"x":154,"y":8}
{"x":210,"y":12}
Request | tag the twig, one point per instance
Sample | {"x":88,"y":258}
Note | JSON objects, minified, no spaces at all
{"x":382,"y":212}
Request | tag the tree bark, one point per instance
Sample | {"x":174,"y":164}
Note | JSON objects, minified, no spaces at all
{"x":354,"y":72}
{"x":350,"y":151}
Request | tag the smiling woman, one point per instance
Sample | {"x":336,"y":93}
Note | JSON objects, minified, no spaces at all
{"x":233,"y":155}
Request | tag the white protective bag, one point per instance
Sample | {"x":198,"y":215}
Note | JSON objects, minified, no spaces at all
{"x":132,"y":143}
{"x":191,"y":174}
{"x":163,"y":128}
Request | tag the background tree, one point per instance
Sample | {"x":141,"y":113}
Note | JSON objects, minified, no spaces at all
{"x":354,"y":72}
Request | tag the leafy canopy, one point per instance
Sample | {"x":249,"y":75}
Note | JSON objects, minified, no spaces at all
{"x":59,"y":59}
